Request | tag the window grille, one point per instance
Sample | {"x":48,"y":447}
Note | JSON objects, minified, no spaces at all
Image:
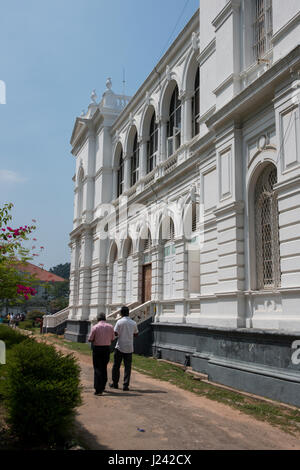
{"x":267,"y":230}
{"x":262,"y":27}
{"x":135,"y":162}
{"x":152,"y":145}
{"x":174,"y":124}
{"x":195,"y":216}
{"x":147,"y":243}
{"x":196,"y":105}
{"x":167,"y":230}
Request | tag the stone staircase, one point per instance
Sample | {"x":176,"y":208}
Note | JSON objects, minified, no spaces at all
{"x":139,"y":314}
{"x":56,"y":323}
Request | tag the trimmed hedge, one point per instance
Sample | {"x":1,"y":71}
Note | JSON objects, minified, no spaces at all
{"x":10,"y":336}
{"x":42,"y":391}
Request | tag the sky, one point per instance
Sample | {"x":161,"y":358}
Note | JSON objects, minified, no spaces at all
{"x":53,"y":53}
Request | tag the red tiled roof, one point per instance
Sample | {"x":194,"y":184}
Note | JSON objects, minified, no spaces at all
{"x":39,"y":273}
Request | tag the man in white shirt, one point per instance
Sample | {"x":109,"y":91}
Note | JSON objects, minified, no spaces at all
{"x":125,"y":330}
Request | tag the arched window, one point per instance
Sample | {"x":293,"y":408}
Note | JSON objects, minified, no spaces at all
{"x":135,"y":161}
{"x":121,"y":175}
{"x":267,"y":230}
{"x":174,"y":123}
{"x":152,"y":145}
{"x":196,"y":105}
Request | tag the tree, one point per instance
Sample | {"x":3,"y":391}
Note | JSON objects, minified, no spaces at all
{"x":62,"y":270}
{"x":14,"y":285}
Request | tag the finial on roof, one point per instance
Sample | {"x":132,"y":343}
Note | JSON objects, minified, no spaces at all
{"x":82,"y":113}
{"x":108,"y":83}
{"x":94,"y":97}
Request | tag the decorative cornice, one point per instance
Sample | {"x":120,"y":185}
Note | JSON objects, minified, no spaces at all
{"x":228,"y":81}
{"x":207,"y":52}
{"x":230,"y":7}
{"x":286,"y":28}
{"x":240,"y":103}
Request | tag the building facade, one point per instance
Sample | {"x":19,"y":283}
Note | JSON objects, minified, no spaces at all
{"x":187,"y":199}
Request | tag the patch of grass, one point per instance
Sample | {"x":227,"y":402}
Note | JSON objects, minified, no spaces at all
{"x":84,"y":348}
{"x":285,"y":418}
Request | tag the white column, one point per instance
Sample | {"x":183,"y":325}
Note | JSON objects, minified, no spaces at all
{"x":137,"y":277}
{"x":127,"y":172}
{"x":157,"y":272}
{"x":143,"y":158}
{"x":181,"y":284}
{"x":121,"y":280}
{"x":162,"y":151}
{"x":114,"y":183}
{"x":85,"y":275}
{"x":187,"y":118}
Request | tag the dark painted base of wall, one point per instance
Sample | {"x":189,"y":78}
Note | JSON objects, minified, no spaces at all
{"x":254,"y":361}
{"x":77,"y":331}
{"x":59,"y":330}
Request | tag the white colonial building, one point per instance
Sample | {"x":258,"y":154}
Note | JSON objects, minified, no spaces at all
{"x":187,"y":200}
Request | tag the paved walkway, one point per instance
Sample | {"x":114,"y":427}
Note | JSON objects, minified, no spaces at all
{"x":173,"y":419}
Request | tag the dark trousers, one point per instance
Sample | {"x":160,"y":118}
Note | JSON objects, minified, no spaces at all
{"x":100,"y":360}
{"x":118,"y":357}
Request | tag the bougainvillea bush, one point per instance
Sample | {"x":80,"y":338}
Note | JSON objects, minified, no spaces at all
{"x":15,"y":286}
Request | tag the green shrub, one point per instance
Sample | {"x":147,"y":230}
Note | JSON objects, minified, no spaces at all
{"x":27,"y":325}
{"x":10,"y":336}
{"x":42,"y":391}
{"x":34,"y":314}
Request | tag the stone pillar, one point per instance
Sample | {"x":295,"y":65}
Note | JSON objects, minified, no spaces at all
{"x":109,"y":276}
{"x":127,"y":172}
{"x":157,"y":272}
{"x":162,"y":150}
{"x":187,"y":117}
{"x":287,"y":113}
{"x":85,"y":275}
{"x":72,"y":297}
{"x":114,"y":183}
{"x":143,"y":158}
{"x":121,"y":280}
{"x":181,"y":288}
{"x":137,"y":259}
{"x":89,"y":180}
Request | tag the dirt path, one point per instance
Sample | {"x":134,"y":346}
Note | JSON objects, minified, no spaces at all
{"x":173,"y":419}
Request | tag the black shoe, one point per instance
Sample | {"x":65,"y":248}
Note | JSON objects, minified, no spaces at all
{"x":98,"y":393}
{"x":113,"y":386}
{"x":125,"y":389}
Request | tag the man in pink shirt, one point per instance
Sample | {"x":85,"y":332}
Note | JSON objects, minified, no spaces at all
{"x":101,"y":337}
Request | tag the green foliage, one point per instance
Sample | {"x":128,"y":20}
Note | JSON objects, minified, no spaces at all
{"x":62,"y":270}
{"x":58,"y":304}
{"x":26,"y":325}
{"x":42,"y":391}
{"x":10,"y":337}
{"x":34,"y":314}
{"x":59,"y":289}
